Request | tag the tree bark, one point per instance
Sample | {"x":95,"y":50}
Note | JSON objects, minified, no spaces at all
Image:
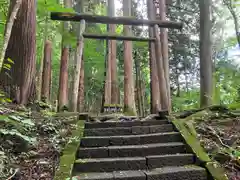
{"x":113,"y":56}
{"x":81,"y":89}
{"x":164,"y":41}
{"x":107,"y":87}
{"x":155,"y":93}
{"x":160,"y":69}
{"x":77,"y":69}
{"x":21,"y":50}
{"x":108,"y":80}
{"x":205,"y":54}
{"x":129,"y":97}
{"x":40,"y":71}
{"x":8,"y":29}
{"x":138,"y":86}
{"x":63,"y":78}
{"x":46,"y":75}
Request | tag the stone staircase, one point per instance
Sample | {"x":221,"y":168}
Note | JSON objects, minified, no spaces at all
{"x":136,"y":150}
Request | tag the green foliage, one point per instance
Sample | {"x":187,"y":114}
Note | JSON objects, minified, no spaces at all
{"x":19,"y":127}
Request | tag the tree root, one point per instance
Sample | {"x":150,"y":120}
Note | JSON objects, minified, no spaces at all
{"x":13,"y":175}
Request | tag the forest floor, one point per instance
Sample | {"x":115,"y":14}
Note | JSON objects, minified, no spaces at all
{"x":31,"y":142}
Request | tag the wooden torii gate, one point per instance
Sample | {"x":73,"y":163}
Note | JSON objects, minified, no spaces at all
{"x":63,"y":16}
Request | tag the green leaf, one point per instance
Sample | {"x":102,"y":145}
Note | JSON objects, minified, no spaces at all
{"x":10,"y":61}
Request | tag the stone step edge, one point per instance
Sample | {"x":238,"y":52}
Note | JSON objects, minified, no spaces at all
{"x":134,"y":135}
{"x":137,"y":146}
{"x":131,"y":158}
{"x":116,"y":128}
{"x":140,"y":173}
{"x":112,"y":124}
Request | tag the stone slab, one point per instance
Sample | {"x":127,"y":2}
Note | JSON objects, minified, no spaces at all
{"x":110,"y":164}
{"x":159,"y":161}
{"x":177,"y":173}
{"x":129,"y":175}
{"x":146,"y":149}
{"x":95,"y":176}
{"x":99,"y":152}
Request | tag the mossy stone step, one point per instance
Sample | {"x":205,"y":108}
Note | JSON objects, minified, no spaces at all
{"x":103,"y":141}
{"x":132,"y":163}
{"x":110,"y":164}
{"x":132,"y":150}
{"x":129,"y":130}
{"x":166,"y":173}
{"x":178,"y":173}
{"x":91,"y":125}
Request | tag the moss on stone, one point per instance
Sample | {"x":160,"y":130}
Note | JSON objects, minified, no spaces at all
{"x":214,"y":168}
{"x":68,"y":158}
{"x":217,"y":172}
{"x":128,"y":111}
{"x":192,"y":141}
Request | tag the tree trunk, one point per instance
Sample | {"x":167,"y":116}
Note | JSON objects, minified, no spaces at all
{"x":81,"y":89}
{"x":113,"y":56}
{"x":77,"y":68}
{"x":142,"y":92}
{"x":164,"y":41}
{"x":21,"y":50}
{"x":39,"y":73}
{"x":50,"y":82}
{"x":63,"y":78}
{"x":236,"y":25}
{"x":46,"y":75}
{"x":160,"y":68}
{"x":8,"y":29}
{"x":138,"y":86}
{"x":205,"y":54}
{"x":155,"y":93}
{"x":129,"y":100}
{"x":107,"y":90}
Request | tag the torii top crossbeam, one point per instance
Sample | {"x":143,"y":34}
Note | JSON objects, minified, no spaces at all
{"x":113,"y":20}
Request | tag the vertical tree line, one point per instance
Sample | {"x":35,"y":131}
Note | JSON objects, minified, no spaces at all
{"x":19,"y":81}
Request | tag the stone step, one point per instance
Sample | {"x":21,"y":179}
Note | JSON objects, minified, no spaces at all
{"x":110,"y":164}
{"x":103,"y":141}
{"x":132,"y":163}
{"x":129,"y":130}
{"x":166,"y":173}
{"x":178,"y":173}
{"x":91,"y":125}
{"x":132,"y":150}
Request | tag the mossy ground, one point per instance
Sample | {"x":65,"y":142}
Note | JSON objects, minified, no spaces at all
{"x":219,"y":133}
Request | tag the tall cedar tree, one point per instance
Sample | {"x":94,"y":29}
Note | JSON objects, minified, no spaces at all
{"x":113,"y":56}
{"x":164,"y":40}
{"x":155,"y":93}
{"x":81,"y":89}
{"x":205,"y":54}
{"x":129,"y":97}
{"x":46,"y":75}
{"x":63,"y":78}
{"x":19,"y":82}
